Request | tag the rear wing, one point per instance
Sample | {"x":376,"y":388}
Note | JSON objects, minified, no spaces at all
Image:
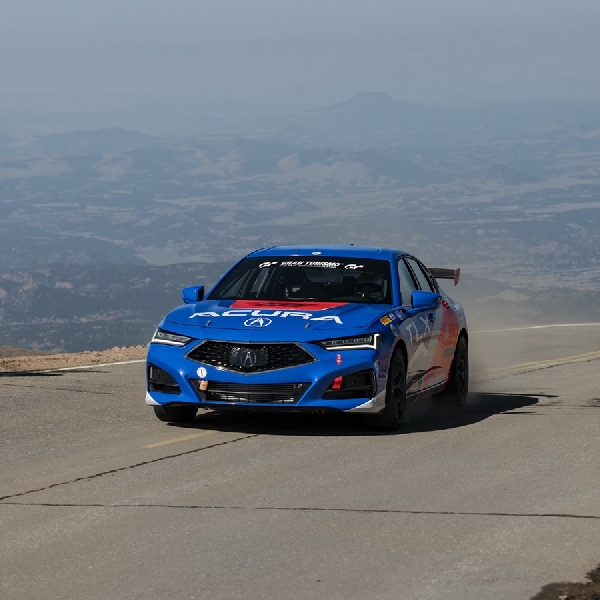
{"x":446,"y":274}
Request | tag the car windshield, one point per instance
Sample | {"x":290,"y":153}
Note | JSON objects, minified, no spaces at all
{"x":293,"y":278}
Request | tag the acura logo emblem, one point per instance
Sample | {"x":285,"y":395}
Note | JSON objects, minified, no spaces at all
{"x":258,"y":322}
{"x":248,"y":358}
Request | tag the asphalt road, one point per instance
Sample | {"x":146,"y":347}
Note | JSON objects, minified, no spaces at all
{"x":101,"y":500}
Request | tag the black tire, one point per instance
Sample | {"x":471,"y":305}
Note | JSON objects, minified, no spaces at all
{"x":175,"y":414}
{"x":394,"y":414}
{"x":457,"y":390}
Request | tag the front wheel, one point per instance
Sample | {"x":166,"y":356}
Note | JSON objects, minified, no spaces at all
{"x":457,"y":390}
{"x":394,"y":413}
{"x":175,"y":414}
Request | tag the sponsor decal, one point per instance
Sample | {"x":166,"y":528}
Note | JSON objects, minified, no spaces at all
{"x":265,"y":316}
{"x":257,"y":322}
{"x":201,"y":372}
{"x":425,"y":321}
{"x":315,"y":264}
{"x":415,"y":335}
{"x":338,"y":360}
{"x":385,"y":320}
{"x":319,"y":264}
{"x":394,"y":329}
{"x":316,"y":253}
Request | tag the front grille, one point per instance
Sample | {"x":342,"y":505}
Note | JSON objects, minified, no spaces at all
{"x":250,"y":358}
{"x":287,"y":393}
{"x":160,"y":381}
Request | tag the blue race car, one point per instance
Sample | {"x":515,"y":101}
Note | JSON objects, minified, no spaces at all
{"x":332,"y":328}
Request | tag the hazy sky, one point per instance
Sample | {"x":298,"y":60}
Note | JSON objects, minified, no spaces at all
{"x":88,"y":54}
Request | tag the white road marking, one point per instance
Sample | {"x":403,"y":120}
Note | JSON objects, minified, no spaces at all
{"x":124,"y":362}
{"x":182,"y":439}
{"x":534,"y":327}
{"x":535,"y":366}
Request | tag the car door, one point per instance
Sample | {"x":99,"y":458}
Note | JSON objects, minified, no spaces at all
{"x":431,"y":322}
{"x":416,"y":332}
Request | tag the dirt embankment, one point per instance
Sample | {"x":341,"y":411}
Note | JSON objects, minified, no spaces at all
{"x":8,"y":351}
{"x":28,"y":361}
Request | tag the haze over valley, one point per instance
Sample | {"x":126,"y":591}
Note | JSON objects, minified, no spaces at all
{"x":508,"y":192}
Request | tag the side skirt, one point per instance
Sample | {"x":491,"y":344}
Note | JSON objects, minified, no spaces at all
{"x":430,"y":391}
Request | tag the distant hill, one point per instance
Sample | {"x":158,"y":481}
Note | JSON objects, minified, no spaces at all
{"x":71,"y":308}
{"x":23,"y":246}
{"x":95,"y":141}
{"x":509,"y":191}
{"x":377,"y":119}
{"x":499,"y":175}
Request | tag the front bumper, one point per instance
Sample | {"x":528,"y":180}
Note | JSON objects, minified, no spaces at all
{"x":315,"y":379}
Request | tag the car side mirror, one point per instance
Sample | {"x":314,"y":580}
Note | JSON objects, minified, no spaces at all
{"x":423,"y":300}
{"x":191,"y":295}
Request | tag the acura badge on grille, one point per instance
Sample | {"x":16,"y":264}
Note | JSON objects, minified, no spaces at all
{"x":249,"y":358}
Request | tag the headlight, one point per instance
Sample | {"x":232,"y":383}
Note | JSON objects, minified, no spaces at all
{"x":361,"y":342}
{"x":171,"y":339}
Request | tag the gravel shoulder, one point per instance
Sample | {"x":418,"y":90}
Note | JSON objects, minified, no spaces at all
{"x":47,"y":362}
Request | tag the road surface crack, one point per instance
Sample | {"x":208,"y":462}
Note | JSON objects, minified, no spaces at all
{"x":142,"y":463}
{"x":307,"y":509}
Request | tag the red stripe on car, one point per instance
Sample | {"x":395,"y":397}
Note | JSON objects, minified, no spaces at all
{"x":286,"y":304}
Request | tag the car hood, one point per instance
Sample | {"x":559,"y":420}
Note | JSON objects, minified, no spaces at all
{"x":275,"y":316}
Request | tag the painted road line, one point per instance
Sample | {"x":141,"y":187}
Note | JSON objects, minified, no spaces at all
{"x":550,"y":361}
{"x":182,"y":439}
{"x":123,"y":362}
{"x":75,"y":368}
{"x":534,"y":327}
{"x":534,"y":366}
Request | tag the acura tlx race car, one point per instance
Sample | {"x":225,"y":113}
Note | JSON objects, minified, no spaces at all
{"x":333,"y":328}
